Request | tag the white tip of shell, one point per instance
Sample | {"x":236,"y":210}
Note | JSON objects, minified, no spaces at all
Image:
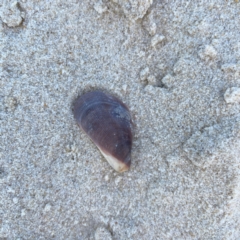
{"x":115,"y":163}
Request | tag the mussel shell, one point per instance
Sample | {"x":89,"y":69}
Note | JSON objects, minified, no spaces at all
{"x":107,"y":121}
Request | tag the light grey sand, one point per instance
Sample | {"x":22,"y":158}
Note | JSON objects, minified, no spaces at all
{"x":176,"y":64}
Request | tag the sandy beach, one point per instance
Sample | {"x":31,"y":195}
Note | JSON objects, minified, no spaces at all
{"x":175,"y":64}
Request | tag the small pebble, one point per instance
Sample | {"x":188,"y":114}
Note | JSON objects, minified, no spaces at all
{"x":47,"y":207}
{"x":23,"y":212}
{"x":232,"y":95}
{"x":152,"y":28}
{"x":10,"y":104}
{"x":102,"y":233}
{"x":11,"y":15}
{"x":10,"y":190}
{"x":168,"y":80}
{"x":144,"y":74}
{"x":141,"y":54}
{"x":100,"y":7}
{"x":230,"y":67}
{"x":106,"y":178}
{"x":209,"y":52}
{"x":124,"y":87}
{"x":15,"y":200}
{"x":134,"y":9}
{"x":156,"y":91}
{"x":152,"y":80}
{"x":117,"y":180}
{"x":173,"y":160}
{"x":157,"y":39}
{"x":150,"y":89}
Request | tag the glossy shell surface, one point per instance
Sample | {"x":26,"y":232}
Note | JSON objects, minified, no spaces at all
{"x":107,"y":121}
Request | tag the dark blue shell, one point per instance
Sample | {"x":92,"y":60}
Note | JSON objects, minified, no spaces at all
{"x":107,"y":121}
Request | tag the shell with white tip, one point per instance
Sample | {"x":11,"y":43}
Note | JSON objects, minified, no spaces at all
{"x":107,"y":121}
